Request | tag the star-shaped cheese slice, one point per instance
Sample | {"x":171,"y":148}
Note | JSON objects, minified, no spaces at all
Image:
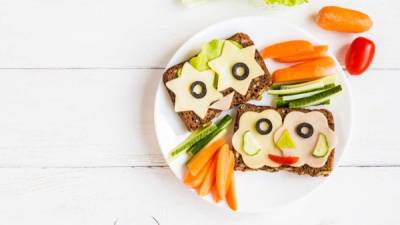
{"x":184,"y":100}
{"x":229,"y":57}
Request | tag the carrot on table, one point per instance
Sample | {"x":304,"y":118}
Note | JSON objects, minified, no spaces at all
{"x":343,"y":20}
{"x":285,"y":49}
{"x":195,"y":181}
{"x":200,"y":159}
{"x":318,"y":51}
{"x":209,"y":180}
{"x":231,"y":194}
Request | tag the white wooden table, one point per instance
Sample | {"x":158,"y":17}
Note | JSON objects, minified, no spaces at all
{"x":77,"y":146}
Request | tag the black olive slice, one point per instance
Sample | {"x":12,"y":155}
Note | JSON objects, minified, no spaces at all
{"x":304,"y":130}
{"x":261,"y":129}
{"x":240,"y":71}
{"x":198,"y":94}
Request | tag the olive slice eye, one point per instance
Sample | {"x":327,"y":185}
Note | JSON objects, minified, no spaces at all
{"x":305,"y":130}
{"x":240,"y":71}
{"x":264,"y":126}
{"x":198,"y":89}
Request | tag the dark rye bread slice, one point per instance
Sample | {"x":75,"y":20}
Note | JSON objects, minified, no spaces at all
{"x":303,"y":170}
{"x":257,"y":87}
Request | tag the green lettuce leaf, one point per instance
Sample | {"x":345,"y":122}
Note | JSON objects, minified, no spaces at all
{"x":286,"y":2}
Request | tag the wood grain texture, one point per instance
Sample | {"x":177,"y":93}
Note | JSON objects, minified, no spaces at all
{"x":124,"y":33}
{"x":133,"y":196}
{"x":77,"y":82}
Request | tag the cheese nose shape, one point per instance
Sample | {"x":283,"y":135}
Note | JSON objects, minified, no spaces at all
{"x":285,"y":141}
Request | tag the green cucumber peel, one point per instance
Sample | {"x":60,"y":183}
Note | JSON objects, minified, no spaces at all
{"x":191,"y":140}
{"x":316,"y":99}
{"x":331,"y":79}
{"x":221,"y":126}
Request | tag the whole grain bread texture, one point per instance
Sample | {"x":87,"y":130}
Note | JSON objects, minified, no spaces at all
{"x":303,"y":170}
{"x":257,"y":86}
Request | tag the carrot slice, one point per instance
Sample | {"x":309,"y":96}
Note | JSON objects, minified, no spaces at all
{"x":324,"y":61}
{"x":288,"y":48}
{"x":215,"y":194}
{"x":209,"y":180}
{"x":222,"y":170}
{"x":306,"y":71}
{"x":231,"y":165}
{"x":195,"y":181}
{"x":231,"y":194}
{"x":298,"y":74}
{"x":318,"y":51}
{"x":200,"y":159}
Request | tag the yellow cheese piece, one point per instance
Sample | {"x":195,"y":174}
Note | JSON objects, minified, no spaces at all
{"x":229,"y":57}
{"x":184,"y":101}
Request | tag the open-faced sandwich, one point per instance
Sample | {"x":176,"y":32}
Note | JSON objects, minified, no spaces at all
{"x":225,"y":73}
{"x":273,"y":139}
{"x":284,"y":136}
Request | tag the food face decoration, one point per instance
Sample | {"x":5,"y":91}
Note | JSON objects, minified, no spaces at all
{"x":302,"y":139}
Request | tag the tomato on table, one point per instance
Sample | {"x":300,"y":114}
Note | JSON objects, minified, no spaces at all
{"x":360,"y":55}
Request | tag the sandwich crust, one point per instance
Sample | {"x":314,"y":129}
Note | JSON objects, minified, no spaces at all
{"x":303,"y":170}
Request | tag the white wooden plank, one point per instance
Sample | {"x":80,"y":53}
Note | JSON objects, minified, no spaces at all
{"x":125,"y":33}
{"x":132,"y":196}
{"x":79,"y":118}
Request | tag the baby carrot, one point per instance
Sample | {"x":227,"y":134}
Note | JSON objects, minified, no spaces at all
{"x":201,"y":158}
{"x":343,"y":20}
{"x":318,"y":51}
{"x":285,"y":49}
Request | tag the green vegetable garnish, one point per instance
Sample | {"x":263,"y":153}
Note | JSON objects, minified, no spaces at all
{"x":286,"y":2}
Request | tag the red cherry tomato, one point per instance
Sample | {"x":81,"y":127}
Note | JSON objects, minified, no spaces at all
{"x":284,"y":160}
{"x":360,"y":55}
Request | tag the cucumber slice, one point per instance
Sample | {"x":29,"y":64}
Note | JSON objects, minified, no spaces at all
{"x":322,"y":147}
{"x":276,"y":86}
{"x":327,"y":102}
{"x":250,"y":144}
{"x":285,"y":141}
{"x":306,"y":94}
{"x":297,"y":90}
{"x":315,"y":99}
{"x":191,"y":140}
{"x":331,"y":79}
{"x":221,"y":125}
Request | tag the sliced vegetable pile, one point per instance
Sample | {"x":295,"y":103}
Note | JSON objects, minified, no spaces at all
{"x":200,"y":138}
{"x":306,"y":83}
{"x":210,"y":167}
{"x":211,"y":170}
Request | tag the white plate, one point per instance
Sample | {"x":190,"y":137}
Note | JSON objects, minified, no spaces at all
{"x":256,"y":191}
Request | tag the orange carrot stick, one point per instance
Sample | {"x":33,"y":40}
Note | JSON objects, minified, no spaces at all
{"x":288,"y":48}
{"x":215,"y":194}
{"x":200,"y":159}
{"x":343,"y":20}
{"x":231,"y":194}
{"x":298,"y":74}
{"x":306,"y":71}
{"x":209,"y":180}
{"x":324,"y":61}
{"x":195,"y":181}
{"x":222,"y":170}
{"x":318,"y":51}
